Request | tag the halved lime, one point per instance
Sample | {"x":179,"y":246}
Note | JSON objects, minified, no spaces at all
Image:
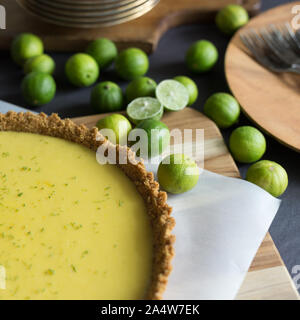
{"x":172,"y":95}
{"x":144,"y":108}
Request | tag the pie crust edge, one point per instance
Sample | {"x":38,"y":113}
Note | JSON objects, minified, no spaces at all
{"x":155,"y":200}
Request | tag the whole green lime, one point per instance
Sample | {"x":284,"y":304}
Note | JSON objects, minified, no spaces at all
{"x":190,"y":86}
{"x":178,"y":173}
{"x":25,"y":46}
{"x":38,"y":88}
{"x":107,"y":96}
{"x":201,"y":56}
{"x":269,"y":175}
{"x":158,"y":137}
{"x":103,"y":51}
{"x":132,"y":63}
{"x":82,"y":70}
{"x":223,"y":109}
{"x":247,"y":144}
{"x":231,"y":18}
{"x":42,"y":63}
{"x":118,"y":124}
{"x":140,"y":87}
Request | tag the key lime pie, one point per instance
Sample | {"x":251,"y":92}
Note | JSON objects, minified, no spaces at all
{"x":71,"y":228}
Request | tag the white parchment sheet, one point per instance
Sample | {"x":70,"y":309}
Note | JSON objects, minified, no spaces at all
{"x":220,"y":225}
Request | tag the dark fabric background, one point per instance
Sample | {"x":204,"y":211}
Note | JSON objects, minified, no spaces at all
{"x":167,"y":62}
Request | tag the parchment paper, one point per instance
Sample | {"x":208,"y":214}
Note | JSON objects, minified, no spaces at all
{"x":220,"y":225}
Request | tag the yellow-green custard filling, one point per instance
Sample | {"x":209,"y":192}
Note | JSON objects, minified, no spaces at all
{"x":70,"y":228}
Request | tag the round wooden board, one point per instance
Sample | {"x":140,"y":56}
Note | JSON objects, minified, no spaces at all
{"x":270,"y":99}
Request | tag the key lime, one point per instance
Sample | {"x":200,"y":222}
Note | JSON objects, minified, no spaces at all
{"x":201,"y":56}
{"x":107,"y":96}
{"x":269,"y":175}
{"x":172,"y":95}
{"x":42,"y":63}
{"x":190,"y":86}
{"x":131,"y":63}
{"x":178,"y":173}
{"x":140,"y":87}
{"x":231,"y":18}
{"x":38,"y":88}
{"x":25,"y":46}
{"x":144,"y":108}
{"x":158,"y":137}
{"x":103,"y":51}
{"x":118,"y":124}
{"x":223,"y":109}
{"x":247,"y":144}
{"x":82,"y":70}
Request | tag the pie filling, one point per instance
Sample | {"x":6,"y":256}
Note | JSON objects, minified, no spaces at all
{"x":70,"y":228}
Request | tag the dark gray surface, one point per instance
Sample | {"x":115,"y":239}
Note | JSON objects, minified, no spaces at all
{"x":167,"y":62}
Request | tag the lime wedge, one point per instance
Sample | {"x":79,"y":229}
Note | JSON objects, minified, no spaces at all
{"x":143,"y":109}
{"x":172,"y":94}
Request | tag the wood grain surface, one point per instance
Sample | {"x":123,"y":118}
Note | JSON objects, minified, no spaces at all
{"x":269,"y":99}
{"x":143,"y":32}
{"x":268,"y":277}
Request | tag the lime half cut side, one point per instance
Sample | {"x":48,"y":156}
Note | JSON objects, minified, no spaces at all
{"x":144,"y":108}
{"x":172,"y":94}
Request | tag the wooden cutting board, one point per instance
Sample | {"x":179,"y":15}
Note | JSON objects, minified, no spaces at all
{"x":269,"y":99}
{"x":268,"y":277}
{"x":143,"y":32}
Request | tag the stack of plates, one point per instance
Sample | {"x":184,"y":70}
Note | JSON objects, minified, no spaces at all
{"x":87,"y":13}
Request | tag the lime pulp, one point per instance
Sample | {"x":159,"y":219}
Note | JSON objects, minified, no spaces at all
{"x":172,"y":95}
{"x":144,"y":108}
